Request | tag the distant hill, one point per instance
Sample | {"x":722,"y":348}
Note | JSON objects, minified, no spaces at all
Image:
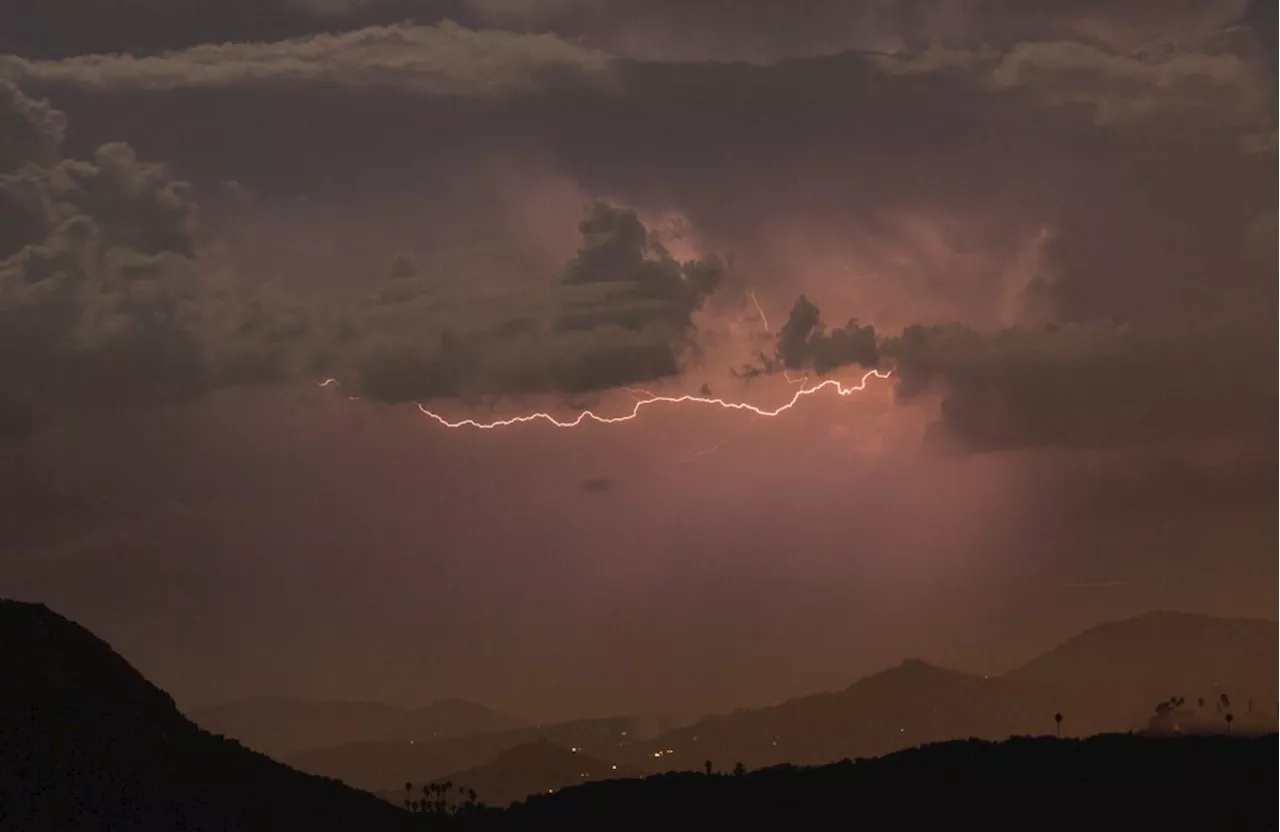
{"x":387,"y":765}
{"x":1113,"y":675}
{"x":908,"y":705}
{"x":1108,"y":678}
{"x":1105,"y":782}
{"x":86,"y":743}
{"x":279,"y":726}
{"x":533,"y":768}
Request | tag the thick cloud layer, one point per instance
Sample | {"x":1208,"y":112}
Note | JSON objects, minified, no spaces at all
{"x":1018,"y":185}
{"x":755,"y":30}
{"x":65,"y":28}
{"x":760,"y":30}
{"x":442,"y":60}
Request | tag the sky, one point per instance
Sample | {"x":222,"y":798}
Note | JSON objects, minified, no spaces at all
{"x":1049,"y":227}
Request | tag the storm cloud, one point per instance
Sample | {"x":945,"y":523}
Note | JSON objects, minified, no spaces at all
{"x":1052,"y":221}
{"x":762,"y":31}
{"x":1062,"y":194}
{"x":444,"y":60}
{"x":95,"y":278}
{"x":621,"y":313}
{"x":106,"y":300}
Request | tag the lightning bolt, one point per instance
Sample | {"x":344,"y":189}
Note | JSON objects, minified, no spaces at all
{"x":330,"y":382}
{"x":590,"y":416}
{"x":654,"y":399}
{"x":764,"y":319}
{"x":708,"y":451}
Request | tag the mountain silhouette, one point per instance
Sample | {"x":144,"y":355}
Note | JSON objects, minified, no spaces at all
{"x":1113,"y":674}
{"x":537,"y":767}
{"x":1108,"y":678}
{"x":87,"y":743}
{"x":904,"y":706}
{"x":381,"y":765}
{"x":281,"y":726}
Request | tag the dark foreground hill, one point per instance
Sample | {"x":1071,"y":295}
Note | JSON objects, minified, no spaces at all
{"x":89,"y":744}
{"x":1116,"y":781}
{"x":533,"y":768}
{"x":281,"y":726}
{"x":86,"y":743}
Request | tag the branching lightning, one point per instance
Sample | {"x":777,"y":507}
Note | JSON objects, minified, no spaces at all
{"x":764,"y":319}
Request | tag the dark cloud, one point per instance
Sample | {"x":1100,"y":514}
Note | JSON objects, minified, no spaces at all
{"x":1115,"y":87}
{"x":444,"y":60}
{"x":105,"y":300}
{"x":64,"y":28}
{"x":1037,"y":181}
{"x":760,"y":30}
{"x":752,"y":30}
{"x":621,"y":313}
{"x":598,"y":485}
{"x":804,"y":343}
{"x":96,"y":290}
{"x":1089,"y":385}
{"x":30,"y":131}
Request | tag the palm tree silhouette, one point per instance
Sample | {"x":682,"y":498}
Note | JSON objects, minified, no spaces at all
{"x":1230,"y":718}
{"x":1057,"y":718}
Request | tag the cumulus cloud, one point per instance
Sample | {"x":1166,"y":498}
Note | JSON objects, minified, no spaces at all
{"x":804,"y":343}
{"x":96,"y":291}
{"x":445,"y":59}
{"x":621,"y":313}
{"x":30,"y":131}
{"x":104,"y":300}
